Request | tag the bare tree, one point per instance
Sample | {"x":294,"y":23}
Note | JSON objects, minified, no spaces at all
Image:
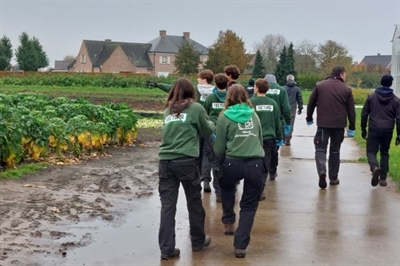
{"x":332,"y":54}
{"x":270,"y":48}
{"x":306,"y":57}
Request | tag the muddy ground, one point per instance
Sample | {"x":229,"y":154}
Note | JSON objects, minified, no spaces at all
{"x":37,"y":211}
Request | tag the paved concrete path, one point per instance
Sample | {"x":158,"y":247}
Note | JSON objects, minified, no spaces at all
{"x":298,"y":224}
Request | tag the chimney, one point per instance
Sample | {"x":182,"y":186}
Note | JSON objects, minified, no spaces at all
{"x":163,"y":33}
{"x":186,"y":35}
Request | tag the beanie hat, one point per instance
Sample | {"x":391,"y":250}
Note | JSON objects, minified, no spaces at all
{"x":387,"y":80}
{"x":251,"y":82}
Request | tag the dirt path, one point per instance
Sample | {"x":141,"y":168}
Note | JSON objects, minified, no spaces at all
{"x":36,"y":212}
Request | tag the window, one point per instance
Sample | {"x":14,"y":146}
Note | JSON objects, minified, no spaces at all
{"x":83,"y":59}
{"x":164,"y":59}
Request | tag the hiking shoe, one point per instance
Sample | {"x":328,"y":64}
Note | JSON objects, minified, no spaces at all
{"x":240,"y":253}
{"x":176,"y":253}
{"x":206,"y":186}
{"x":272,"y":176}
{"x":229,"y":229}
{"x":322,"y":181}
{"x":207,"y":242}
{"x":262,"y":197}
{"x":383,"y":183}
{"x":334,"y":182}
{"x":375,"y":176}
{"x":218,"y":196}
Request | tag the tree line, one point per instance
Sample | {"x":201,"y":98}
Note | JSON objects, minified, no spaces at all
{"x":30,"y":55}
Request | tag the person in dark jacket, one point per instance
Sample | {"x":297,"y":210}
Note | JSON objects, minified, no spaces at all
{"x":295,"y":101}
{"x":335,"y":104}
{"x":380,"y":113}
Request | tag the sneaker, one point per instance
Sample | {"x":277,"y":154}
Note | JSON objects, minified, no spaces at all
{"x":229,"y":229}
{"x":218,"y":196}
{"x":375,"y":176}
{"x":176,"y":253}
{"x":262,"y":197}
{"x":206,"y":186}
{"x":272,"y":176}
{"x":322,"y":181}
{"x":207,"y":242}
{"x":334,"y":182}
{"x":383,"y":183}
{"x":240,"y":253}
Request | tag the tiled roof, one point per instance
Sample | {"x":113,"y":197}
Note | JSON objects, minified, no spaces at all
{"x":100,"y":51}
{"x":379,"y":60}
{"x":63,"y":64}
{"x":171,"y":44}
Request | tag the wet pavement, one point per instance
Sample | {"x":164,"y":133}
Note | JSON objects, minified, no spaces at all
{"x":298,"y":224}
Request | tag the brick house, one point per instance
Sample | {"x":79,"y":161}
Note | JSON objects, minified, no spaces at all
{"x":377,"y":63}
{"x":155,"y":57}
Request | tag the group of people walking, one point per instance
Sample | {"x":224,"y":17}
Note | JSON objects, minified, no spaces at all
{"x":235,"y":134}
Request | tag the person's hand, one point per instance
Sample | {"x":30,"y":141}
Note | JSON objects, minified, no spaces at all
{"x":398,"y":140}
{"x":279,"y":142}
{"x":286,"y":129}
{"x":150,"y":83}
{"x":351,"y":133}
{"x":310,"y":122}
{"x":299,"y":111}
{"x":364,"y":134}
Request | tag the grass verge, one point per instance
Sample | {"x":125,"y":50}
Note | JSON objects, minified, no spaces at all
{"x":22,"y":169}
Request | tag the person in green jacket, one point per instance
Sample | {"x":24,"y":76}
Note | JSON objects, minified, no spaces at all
{"x":279,"y":95}
{"x":269,"y":114}
{"x":184,"y":122}
{"x":213,"y":105}
{"x":239,"y":139}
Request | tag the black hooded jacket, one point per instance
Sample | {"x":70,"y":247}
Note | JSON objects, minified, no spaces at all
{"x":381,"y":110}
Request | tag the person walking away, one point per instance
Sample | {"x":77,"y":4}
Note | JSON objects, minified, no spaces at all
{"x":233,"y":73}
{"x":279,"y":95}
{"x":184,"y":122}
{"x":380,"y":112}
{"x":239,"y":137}
{"x":296,"y":102}
{"x":335,"y":104}
{"x":269,"y":114}
{"x":213,"y":105}
{"x":250,"y":88}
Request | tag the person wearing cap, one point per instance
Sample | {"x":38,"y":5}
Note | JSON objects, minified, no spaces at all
{"x":335,"y":105}
{"x":295,"y":101}
{"x":380,"y":112}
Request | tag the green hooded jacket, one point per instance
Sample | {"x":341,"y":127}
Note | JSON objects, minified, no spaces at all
{"x":269,"y":114}
{"x":239,"y":133}
{"x":215,"y":103}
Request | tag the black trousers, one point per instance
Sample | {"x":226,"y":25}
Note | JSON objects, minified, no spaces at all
{"x":252,"y":171}
{"x":334,"y":137}
{"x":379,"y":140}
{"x":172,"y":173}
{"x":269,"y":149}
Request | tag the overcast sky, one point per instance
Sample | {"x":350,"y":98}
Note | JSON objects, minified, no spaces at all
{"x":364,"y":27}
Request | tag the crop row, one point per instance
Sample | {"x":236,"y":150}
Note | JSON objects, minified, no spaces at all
{"x":34,"y":125}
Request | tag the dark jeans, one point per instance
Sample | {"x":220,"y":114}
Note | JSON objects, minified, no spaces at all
{"x":205,"y":165}
{"x":321,"y":141}
{"x":252,"y":171}
{"x":172,"y":173}
{"x":269,"y":148}
{"x":379,"y":140}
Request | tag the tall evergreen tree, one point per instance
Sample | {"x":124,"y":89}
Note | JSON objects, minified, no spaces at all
{"x":6,"y":53}
{"x":187,"y":59}
{"x":280,"y":70}
{"x":258,"y":70}
{"x":290,"y":69}
{"x":30,"y":54}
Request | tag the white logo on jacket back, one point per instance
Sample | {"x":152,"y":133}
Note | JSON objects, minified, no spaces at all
{"x":265,"y":108}
{"x":273,"y":91}
{"x":218,"y":105}
{"x":246,"y":126}
{"x":174,"y":118}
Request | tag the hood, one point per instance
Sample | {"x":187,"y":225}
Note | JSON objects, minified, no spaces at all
{"x":221,"y":95}
{"x":239,"y":113}
{"x":270,"y":78}
{"x":205,"y":89}
{"x":291,"y":83}
{"x":385,"y":94}
{"x":176,"y":107}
